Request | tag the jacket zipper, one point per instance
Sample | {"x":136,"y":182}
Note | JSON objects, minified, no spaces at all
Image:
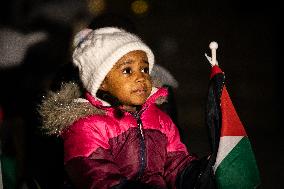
{"x":142,"y":150}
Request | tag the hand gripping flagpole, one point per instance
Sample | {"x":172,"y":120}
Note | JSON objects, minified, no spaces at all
{"x":213,"y":60}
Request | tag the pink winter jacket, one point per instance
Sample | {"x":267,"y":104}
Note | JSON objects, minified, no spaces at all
{"x":103,"y":150}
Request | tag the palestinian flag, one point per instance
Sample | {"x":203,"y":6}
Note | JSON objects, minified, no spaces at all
{"x":235,"y":165}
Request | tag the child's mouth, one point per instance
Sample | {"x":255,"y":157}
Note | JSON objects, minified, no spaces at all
{"x":140,"y":91}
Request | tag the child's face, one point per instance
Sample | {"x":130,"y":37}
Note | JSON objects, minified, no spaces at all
{"x":129,"y":79}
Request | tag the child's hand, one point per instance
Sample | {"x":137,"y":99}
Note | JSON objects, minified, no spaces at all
{"x":198,"y":175}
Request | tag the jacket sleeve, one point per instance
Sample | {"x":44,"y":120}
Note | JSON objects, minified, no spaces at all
{"x":177,"y":155}
{"x":88,"y":159}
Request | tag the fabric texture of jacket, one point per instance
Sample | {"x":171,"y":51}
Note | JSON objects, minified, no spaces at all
{"x":103,"y":149}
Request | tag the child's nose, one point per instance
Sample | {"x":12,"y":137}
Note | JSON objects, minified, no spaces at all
{"x":140,"y":77}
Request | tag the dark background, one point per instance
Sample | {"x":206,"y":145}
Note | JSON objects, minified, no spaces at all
{"x":179,"y":32}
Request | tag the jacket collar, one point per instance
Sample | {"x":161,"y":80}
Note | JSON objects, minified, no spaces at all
{"x":157,"y":96}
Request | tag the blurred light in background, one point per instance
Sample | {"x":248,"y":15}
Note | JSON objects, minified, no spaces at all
{"x":140,"y":7}
{"x":14,"y":45}
{"x":96,"y":7}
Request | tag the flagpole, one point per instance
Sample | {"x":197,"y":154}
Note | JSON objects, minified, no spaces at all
{"x":212,"y":60}
{"x":213,"y":46}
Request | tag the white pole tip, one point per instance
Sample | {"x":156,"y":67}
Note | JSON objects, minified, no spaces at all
{"x":213,"y":45}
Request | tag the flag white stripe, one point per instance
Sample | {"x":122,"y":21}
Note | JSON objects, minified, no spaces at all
{"x":227,"y":143}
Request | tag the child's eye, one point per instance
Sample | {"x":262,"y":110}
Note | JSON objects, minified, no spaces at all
{"x":145,"y":70}
{"x":127,"y":71}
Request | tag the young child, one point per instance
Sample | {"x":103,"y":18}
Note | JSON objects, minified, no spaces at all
{"x":117,"y":137}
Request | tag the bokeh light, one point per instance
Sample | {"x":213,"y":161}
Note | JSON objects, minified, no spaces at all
{"x":96,"y":7}
{"x":140,"y":7}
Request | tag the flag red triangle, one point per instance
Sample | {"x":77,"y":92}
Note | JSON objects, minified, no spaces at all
{"x":231,"y":123}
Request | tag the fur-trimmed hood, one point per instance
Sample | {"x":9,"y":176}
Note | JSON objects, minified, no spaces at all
{"x":60,"y":109}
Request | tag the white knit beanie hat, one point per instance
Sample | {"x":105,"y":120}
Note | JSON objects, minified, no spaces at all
{"x":97,"y":51}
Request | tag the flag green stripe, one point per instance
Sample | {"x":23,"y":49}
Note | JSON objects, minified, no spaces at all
{"x":239,"y":168}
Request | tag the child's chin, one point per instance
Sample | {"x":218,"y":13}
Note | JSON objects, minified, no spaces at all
{"x":138,"y":102}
